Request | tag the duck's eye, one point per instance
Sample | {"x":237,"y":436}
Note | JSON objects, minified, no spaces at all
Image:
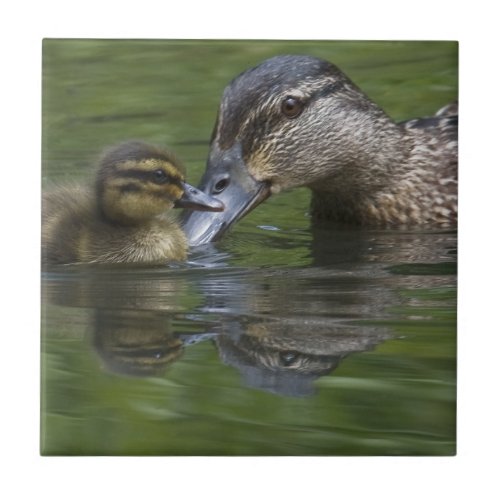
{"x":220,"y":185}
{"x":160,"y":176}
{"x":287,"y":358}
{"x":291,"y":107}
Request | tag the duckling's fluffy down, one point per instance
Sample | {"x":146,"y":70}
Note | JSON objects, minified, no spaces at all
{"x":73,"y":231}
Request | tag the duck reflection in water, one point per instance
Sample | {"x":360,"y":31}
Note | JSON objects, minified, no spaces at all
{"x":274,"y":356}
{"x":281,"y":329}
{"x":139,"y":328}
{"x":282,"y":358}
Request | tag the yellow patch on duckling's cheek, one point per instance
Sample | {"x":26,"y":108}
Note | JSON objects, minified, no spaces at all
{"x":172,"y":191}
{"x":172,"y":171}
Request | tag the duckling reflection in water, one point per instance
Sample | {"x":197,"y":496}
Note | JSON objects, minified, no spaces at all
{"x":135,"y":343}
{"x":300,"y":121}
{"x":123,"y":217}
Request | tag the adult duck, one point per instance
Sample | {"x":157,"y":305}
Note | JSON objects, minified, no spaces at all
{"x":299,"y":121}
{"x":123,"y":216}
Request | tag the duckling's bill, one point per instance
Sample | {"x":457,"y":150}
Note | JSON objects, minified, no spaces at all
{"x":228,"y":180}
{"x":195,"y":199}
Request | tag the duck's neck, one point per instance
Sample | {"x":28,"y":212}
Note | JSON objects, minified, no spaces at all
{"x":370,"y":186}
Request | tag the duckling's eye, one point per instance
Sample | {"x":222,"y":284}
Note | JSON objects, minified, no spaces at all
{"x":291,"y":107}
{"x":160,"y":176}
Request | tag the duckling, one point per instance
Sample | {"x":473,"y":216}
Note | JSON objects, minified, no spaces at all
{"x":123,"y":217}
{"x":300,"y":121}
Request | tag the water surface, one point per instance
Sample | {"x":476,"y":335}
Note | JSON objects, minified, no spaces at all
{"x":283,"y":338}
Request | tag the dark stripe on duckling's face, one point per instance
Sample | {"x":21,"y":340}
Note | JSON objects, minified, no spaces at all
{"x":130,"y":188}
{"x":136,"y":162}
{"x":137,"y":152}
{"x":137,"y":182}
{"x":155,"y":176}
{"x":130,"y":191}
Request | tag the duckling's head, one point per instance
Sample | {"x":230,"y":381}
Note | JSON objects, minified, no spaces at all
{"x":291,"y":121}
{"x":137,"y":181}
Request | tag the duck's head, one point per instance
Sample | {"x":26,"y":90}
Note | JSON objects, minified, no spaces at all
{"x":291,"y":121}
{"x":137,"y":181}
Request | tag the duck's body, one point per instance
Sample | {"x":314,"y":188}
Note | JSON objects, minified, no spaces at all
{"x":123,"y":217}
{"x":420,"y":189}
{"x":299,"y":121}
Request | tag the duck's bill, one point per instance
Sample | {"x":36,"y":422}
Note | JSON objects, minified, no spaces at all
{"x":195,"y":199}
{"x":228,"y":180}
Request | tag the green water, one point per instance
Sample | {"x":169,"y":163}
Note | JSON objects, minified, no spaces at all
{"x":282,"y":339}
